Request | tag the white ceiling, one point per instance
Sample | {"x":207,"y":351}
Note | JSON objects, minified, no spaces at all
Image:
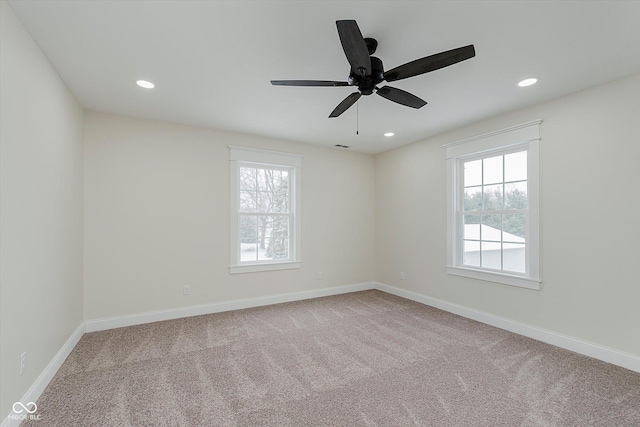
{"x":212,"y":61}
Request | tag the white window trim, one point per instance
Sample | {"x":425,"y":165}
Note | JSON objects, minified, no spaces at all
{"x":526,"y":135}
{"x":240,"y":155}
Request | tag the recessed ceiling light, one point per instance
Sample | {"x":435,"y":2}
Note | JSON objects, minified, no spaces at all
{"x":145,"y":84}
{"x":528,"y":82}
{"x":389,"y":134}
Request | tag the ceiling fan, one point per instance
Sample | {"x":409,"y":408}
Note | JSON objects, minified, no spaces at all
{"x":367,"y":71}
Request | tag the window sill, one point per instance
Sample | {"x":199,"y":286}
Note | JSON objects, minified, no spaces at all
{"x":254,"y":268}
{"x":488,"y":276}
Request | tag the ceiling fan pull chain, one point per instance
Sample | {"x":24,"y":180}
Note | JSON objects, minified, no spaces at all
{"x":357,"y":118}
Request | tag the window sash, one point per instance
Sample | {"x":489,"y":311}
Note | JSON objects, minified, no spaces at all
{"x":461,"y":243}
{"x":290,"y":194}
{"x":461,"y":213}
{"x":290,"y":214}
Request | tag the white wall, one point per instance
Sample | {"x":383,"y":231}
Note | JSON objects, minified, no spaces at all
{"x":41,"y":210}
{"x":157,"y":217}
{"x":590,"y":212}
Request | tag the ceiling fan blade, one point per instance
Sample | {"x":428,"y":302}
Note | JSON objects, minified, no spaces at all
{"x":430,"y":63}
{"x":355,"y":48}
{"x":345,"y":104}
{"x":401,"y":97}
{"x":307,"y":83}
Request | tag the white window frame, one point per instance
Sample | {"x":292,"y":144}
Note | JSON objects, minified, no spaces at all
{"x":255,"y":157}
{"x":522,"y":137}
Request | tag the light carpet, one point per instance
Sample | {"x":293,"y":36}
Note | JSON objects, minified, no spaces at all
{"x":360,"y":359}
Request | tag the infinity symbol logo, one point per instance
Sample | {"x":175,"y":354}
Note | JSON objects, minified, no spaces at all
{"x":21,"y":407}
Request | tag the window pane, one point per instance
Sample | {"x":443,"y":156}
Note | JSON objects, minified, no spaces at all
{"x":248,"y":238}
{"x":247,"y":179}
{"x":515,"y":166}
{"x":492,"y":197}
{"x":273,"y":239}
{"x":264,"y":234}
{"x":272,"y":193}
{"x":281,"y":180}
{"x":513,"y":227}
{"x":471,"y":227}
{"x":473,"y":173}
{"x":491,"y":228}
{"x":491,"y":255}
{"x":247,"y":201}
{"x":514,"y":257}
{"x":263,"y":178}
{"x":515,"y":195}
{"x":471,"y":254}
{"x":492,"y":170}
{"x":263,"y":201}
{"x":280,"y":200}
{"x":473,"y":199}
{"x":272,"y":179}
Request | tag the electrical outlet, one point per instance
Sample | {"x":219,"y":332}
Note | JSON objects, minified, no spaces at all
{"x":319,"y":275}
{"x":186,"y":290}
{"x":402,"y":275}
{"x":23,"y":362}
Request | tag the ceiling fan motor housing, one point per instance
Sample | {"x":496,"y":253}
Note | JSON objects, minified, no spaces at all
{"x":367,"y":83}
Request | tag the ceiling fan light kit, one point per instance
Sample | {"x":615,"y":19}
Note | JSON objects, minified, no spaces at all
{"x":367,"y":71}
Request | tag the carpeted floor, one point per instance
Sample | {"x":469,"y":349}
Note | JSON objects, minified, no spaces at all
{"x":359,"y":359}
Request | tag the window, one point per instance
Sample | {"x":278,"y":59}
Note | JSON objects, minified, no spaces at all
{"x":493,"y":197}
{"x":265,"y":207}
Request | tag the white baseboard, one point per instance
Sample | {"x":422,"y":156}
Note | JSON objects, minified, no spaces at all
{"x":197,"y":310}
{"x":47,"y":374}
{"x":606,"y":354}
